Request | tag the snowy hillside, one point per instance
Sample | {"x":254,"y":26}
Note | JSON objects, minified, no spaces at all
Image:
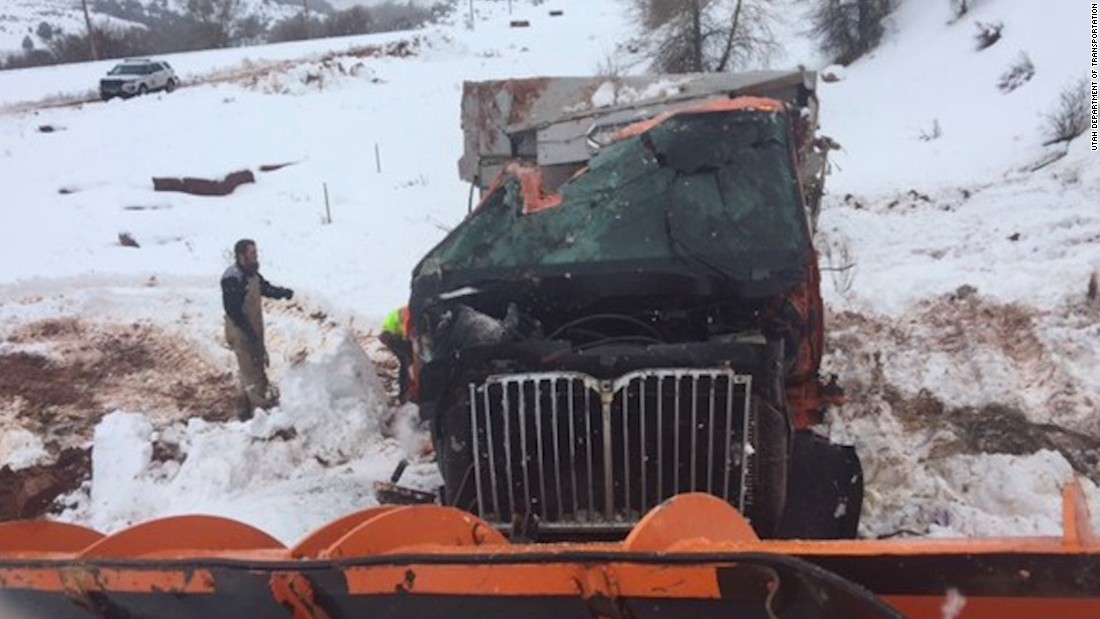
{"x":955,"y":279}
{"x":21,"y":18}
{"x":962,"y":327}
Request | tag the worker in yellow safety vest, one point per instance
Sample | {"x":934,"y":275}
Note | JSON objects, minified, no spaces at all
{"x":395,"y":336}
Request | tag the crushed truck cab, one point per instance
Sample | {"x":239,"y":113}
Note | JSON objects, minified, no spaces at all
{"x":632,"y":311}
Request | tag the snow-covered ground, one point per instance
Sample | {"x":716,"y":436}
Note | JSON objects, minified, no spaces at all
{"x":958,"y":318}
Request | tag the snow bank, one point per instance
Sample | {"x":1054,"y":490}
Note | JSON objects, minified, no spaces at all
{"x":20,"y":448}
{"x":286,"y":471}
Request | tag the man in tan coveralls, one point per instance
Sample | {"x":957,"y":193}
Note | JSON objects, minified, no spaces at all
{"x":242,"y":289}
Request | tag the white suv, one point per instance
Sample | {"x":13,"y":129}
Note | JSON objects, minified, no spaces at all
{"x":137,"y":77}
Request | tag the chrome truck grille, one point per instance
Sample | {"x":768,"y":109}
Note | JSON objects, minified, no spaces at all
{"x":582,"y":453}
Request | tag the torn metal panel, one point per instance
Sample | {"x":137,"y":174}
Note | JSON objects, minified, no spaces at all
{"x":547,"y":120}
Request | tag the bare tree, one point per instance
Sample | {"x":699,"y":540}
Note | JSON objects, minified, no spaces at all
{"x":848,"y":29}
{"x":91,"y":31}
{"x":250,"y":30}
{"x":216,"y":18}
{"x":706,"y":35}
{"x":355,"y":20}
{"x":293,"y":28}
{"x":305,"y":17}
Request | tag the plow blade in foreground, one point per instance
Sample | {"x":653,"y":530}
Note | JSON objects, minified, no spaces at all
{"x":693,"y":556}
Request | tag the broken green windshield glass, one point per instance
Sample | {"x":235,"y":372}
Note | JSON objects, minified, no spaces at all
{"x":715,"y":187}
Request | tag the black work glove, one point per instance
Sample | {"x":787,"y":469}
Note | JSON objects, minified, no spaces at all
{"x":286,"y":293}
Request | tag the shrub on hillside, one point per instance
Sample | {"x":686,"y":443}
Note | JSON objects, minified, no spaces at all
{"x":988,"y":34}
{"x":961,"y":8}
{"x":45,"y":31}
{"x":32,"y":58}
{"x":1017,"y":75}
{"x":934,"y":133}
{"x":1071,"y":116}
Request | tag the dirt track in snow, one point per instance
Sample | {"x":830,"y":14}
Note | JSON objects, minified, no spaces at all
{"x":58,"y":378}
{"x":959,"y":377}
{"x":978,"y":365}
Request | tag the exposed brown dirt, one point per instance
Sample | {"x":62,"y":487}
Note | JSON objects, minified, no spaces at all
{"x":204,"y":186}
{"x":958,"y":325}
{"x":28,"y":493}
{"x":87,"y":372}
{"x":95,"y":369}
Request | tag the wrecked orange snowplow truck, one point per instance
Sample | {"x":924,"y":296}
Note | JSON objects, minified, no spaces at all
{"x":633,"y":310}
{"x":618,"y":355}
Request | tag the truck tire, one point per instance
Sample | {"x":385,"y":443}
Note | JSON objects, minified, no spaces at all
{"x":454,"y":452}
{"x":769,"y":476}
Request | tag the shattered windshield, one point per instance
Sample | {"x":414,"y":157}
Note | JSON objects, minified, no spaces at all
{"x":712,"y":190}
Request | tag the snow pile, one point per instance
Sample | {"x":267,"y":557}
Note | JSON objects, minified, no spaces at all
{"x":123,"y":450}
{"x":312,"y":77}
{"x":611,"y":93}
{"x":918,"y":483}
{"x":1002,"y":495}
{"x":21,"y":448}
{"x":326,"y":437}
{"x":334,"y":404}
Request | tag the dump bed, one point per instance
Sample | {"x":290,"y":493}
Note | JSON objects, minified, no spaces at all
{"x":557,"y":122}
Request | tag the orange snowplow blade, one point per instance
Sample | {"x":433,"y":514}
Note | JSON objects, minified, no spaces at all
{"x":693,"y":556}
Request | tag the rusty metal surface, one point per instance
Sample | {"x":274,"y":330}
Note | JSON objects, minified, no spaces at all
{"x":689,"y":556}
{"x":546,"y":119}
